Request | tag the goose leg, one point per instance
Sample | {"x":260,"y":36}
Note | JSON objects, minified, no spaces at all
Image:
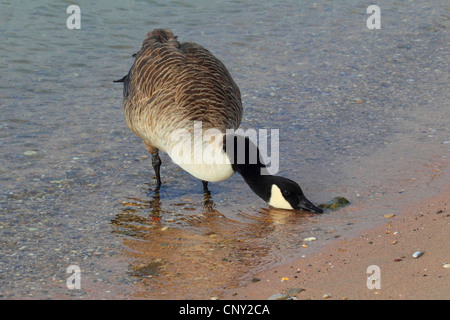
{"x":205,"y":187}
{"x":156,"y":163}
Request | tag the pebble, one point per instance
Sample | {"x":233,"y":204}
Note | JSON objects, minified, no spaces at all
{"x":294,"y":291}
{"x":418,"y":254}
{"x":388,"y":216}
{"x":334,"y":204}
{"x":446,"y":265}
{"x":327,"y":296}
{"x":310,"y":239}
{"x":30,"y":153}
{"x":278,"y":296}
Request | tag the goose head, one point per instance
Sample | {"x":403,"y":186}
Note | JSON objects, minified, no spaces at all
{"x":287,"y":194}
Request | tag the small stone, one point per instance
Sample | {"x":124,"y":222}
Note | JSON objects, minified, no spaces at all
{"x":30,"y":153}
{"x":446,"y":265}
{"x":294,"y":291}
{"x":278,"y":296}
{"x":309,"y":239}
{"x":327,"y":296}
{"x":418,"y":254}
{"x":334,"y":204}
{"x":388,"y":216}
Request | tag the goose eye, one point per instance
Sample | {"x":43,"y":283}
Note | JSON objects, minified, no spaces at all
{"x":286,"y":193}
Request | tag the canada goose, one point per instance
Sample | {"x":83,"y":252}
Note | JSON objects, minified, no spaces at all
{"x":171,"y":87}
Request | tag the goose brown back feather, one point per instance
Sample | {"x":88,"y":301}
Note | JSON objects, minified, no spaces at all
{"x":172,"y":84}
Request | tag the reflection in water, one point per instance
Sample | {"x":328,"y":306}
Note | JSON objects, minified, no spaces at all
{"x":191,"y":250}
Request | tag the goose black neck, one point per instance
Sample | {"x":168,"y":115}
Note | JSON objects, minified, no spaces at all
{"x":245,"y":159}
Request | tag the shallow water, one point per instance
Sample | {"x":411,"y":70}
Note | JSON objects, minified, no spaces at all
{"x":356,"y":110}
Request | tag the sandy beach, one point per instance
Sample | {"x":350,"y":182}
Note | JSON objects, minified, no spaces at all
{"x":340,"y":271}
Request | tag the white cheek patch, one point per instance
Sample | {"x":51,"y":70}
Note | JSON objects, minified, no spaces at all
{"x":277,"y":200}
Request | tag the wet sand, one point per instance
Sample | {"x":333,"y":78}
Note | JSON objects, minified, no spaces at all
{"x":339,"y":271}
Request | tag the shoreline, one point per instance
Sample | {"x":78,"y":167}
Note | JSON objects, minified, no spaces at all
{"x":339,"y":270}
{"x":414,"y":187}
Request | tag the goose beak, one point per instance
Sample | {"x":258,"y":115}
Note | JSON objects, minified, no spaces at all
{"x":305,"y":204}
